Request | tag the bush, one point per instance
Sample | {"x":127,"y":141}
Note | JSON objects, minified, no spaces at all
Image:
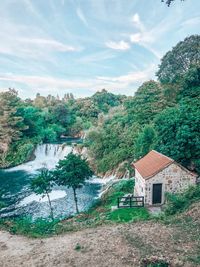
{"x":25,"y":226}
{"x":18,"y":153}
{"x":179,"y":202}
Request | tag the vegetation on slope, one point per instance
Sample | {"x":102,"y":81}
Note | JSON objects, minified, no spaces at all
{"x":162,"y":115}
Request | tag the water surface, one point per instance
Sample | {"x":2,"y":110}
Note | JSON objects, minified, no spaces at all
{"x":20,"y":200}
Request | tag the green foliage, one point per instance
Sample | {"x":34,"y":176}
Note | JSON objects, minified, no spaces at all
{"x":100,"y":214}
{"x":177,"y":62}
{"x":178,"y":131}
{"x":179,"y":202}
{"x":145,"y":141}
{"x":128,"y":215}
{"x":105,"y":100}
{"x":19,"y":152}
{"x":117,"y":190}
{"x":11,"y":125}
{"x":146,"y":104}
{"x":114,"y":141}
{"x":72,"y":172}
{"x":78,"y":247}
{"x":25,"y":226}
{"x":45,"y":119}
{"x":42,"y":185}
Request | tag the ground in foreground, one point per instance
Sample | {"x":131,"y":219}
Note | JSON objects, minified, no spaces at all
{"x":110,"y":245}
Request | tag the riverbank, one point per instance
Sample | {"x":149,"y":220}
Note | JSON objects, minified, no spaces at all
{"x":101,"y":213}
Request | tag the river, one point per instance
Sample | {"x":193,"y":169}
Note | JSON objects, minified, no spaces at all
{"x":21,"y":201}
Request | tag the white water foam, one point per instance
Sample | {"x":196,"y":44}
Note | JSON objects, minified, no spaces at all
{"x":96,"y":180}
{"x":55,"y":194}
{"x":46,"y":156}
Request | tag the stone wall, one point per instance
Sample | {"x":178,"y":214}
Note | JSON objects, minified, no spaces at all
{"x":174,"y":179}
{"x":139,"y":189}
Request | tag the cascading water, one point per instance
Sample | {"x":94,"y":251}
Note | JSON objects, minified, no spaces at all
{"x":46,"y":156}
{"x":15,"y":184}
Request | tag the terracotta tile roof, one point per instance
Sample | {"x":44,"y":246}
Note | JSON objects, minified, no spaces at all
{"x":152,"y":163}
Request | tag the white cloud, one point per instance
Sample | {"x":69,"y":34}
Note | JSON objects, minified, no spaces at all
{"x":50,"y":44}
{"x":191,"y":22}
{"x":43,"y":81}
{"x":137,"y":22}
{"x":136,"y":37}
{"x":81,"y":16}
{"x":131,"y":77}
{"x":122,"y":45}
{"x":145,"y":40}
{"x":50,"y":85}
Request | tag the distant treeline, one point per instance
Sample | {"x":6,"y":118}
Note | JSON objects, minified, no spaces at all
{"x":44,"y":119}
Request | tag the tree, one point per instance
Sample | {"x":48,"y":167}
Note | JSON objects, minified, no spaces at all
{"x":178,"y":132}
{"x":42,"y":185}
{"x":33,"y":119}
{"x":72,"y":172}
{"x":177,"y":62}
{"x":191,"y":83}
{"x":147,"y":102}
{"x":145,"y":141}
{"x":11,"y":124}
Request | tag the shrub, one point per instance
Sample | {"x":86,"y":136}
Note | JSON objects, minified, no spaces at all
{"x":25,"y":226}
{"x":179,"y":202}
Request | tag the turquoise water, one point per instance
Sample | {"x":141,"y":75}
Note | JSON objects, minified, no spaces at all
{"x":20,"y":200}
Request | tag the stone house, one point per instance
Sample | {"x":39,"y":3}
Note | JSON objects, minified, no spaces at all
{"x":156,"y":174}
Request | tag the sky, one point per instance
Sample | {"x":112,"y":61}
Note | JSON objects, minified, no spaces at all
{"x":82,"y":46}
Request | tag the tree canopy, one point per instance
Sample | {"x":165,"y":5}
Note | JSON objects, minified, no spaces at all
{"x":72,"y":172}
{"x":179,"y":60}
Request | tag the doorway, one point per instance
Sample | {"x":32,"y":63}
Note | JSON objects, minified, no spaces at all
{"x":157,"y":193}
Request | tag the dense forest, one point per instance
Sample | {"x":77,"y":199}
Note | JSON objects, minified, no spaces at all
{"x":25,"y":123}
{"x":162,"y":115}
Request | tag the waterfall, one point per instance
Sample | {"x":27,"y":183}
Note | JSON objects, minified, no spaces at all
{"x":46,"y":156}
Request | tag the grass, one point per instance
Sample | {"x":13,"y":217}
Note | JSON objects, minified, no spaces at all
{"x":25,"y":226}
{"x":128,"y":215}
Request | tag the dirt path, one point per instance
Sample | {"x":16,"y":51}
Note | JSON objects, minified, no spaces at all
{"x":116,"y":246}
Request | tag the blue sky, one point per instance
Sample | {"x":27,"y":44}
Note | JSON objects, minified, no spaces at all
{"x":81,"y":46}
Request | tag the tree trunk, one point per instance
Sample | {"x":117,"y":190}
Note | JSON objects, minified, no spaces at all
{"x":51,"y":209}
{"x":75,"y":200}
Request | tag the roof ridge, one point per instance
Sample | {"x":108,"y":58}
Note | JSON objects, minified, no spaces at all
{"x":163,"y":155}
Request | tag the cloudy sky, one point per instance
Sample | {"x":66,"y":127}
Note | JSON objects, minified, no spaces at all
{"x":81,"y":46}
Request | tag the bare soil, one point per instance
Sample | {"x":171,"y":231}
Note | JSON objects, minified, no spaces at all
{"x":119,"y":245}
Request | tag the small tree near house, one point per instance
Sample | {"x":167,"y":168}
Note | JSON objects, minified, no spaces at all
{"x":72,"y":172}
{"x":42,"y":185}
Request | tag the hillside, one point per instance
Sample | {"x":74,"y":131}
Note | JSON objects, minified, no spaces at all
{"x":162,"y":115}
{"x":175,"y":241}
